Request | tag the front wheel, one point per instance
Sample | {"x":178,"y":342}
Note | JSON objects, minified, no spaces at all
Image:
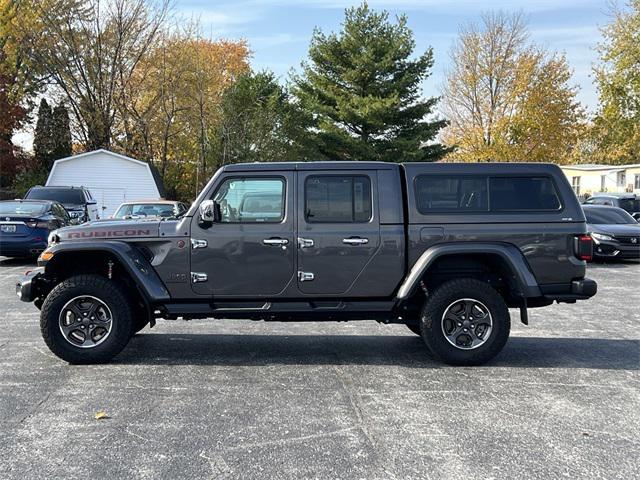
{"x":86,"y":319}
{"x":465,"y":322}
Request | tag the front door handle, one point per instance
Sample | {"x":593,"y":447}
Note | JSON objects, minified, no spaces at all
{"x":355,"y":241}
{"x":275,"y":241}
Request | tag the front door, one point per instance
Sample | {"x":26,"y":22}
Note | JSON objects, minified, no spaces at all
{"x":250,"y":251}
{"x":338,"y":230}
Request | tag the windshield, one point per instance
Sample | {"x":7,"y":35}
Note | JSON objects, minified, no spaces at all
{"x":22,"y":208}
{"x":608,"y":216}
{"x":162,"y":210}
{"x":630,"y":205}
{"x":62,"y":195}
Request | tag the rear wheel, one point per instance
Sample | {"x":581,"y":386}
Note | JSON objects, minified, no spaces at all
{"x":465,"y":322}
{"x":86,"y":319}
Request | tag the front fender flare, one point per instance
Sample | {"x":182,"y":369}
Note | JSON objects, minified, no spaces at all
{"x":525,"y":282}
{"x":141,"y":271}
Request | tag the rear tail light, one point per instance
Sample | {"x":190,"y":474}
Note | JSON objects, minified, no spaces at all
{"x":34,"y":224}
{"x":38,"y":224}
{"x":584,"y":247}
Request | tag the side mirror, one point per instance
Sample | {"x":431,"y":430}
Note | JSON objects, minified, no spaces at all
{"x":92,"y":202}
{"x":209,"y":211}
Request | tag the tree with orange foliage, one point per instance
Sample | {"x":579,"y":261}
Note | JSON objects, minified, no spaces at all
{"x":171,"y":106}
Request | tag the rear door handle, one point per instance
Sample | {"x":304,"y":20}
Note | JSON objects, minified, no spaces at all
{"x":275,"y":241}
{"x":355,"y":241}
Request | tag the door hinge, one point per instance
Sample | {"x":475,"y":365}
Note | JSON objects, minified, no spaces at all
{"x":198,"y":277}
{"x":305,"y":276}
{"x":195,"y":243}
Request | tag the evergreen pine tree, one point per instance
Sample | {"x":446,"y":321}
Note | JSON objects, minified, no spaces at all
{"x":60,"y":133}
{"x":42,"y":140}
{"x":364,"y":90}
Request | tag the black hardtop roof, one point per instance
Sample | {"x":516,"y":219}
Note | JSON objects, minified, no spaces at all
{"x":427,"y":167}
{"x":482,"y":168}
{"x":279,"y":166}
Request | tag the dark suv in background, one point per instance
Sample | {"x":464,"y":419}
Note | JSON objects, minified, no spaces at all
{"x":629,"y":202}
{"x":78,"y":201}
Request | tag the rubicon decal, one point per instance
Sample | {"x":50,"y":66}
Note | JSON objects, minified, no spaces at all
{"x":110,"y":233}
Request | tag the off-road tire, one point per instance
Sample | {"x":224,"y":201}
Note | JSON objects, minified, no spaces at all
{"x":415,"y":328}
{"x":106,"y":291}
{"x":444,"y":296}
{"x":139,"y":322}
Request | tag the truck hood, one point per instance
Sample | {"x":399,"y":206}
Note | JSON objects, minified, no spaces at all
{"x":110,"y":230}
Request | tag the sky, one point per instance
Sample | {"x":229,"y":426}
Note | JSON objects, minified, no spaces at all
{"x":278,"y":31}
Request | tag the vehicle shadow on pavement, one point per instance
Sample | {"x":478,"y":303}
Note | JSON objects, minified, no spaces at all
{"x":612,"y":263}
{"x":17,"y":262}
{"x":406,"y":351}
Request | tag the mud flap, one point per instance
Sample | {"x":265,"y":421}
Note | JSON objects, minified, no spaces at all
{"x":524,"y":314}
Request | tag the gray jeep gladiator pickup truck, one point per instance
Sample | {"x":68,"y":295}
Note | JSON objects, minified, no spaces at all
{"x":444,"y":248}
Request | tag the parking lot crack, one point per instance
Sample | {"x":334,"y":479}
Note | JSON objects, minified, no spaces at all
{"x":292,"y":440}
{"x":35,"y":409}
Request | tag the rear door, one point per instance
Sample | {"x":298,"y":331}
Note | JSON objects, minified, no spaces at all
{"x":338,"y":229}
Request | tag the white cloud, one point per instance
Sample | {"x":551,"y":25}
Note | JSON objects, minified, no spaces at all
{"x":219,"y":20}
{"x":454,"y":6}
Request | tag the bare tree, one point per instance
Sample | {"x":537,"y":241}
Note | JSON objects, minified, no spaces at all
{"x":482,"y":83}
{"x":91,"y":55}
{"x":508,"y":99}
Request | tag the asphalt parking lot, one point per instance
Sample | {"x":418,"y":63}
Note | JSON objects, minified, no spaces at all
{"x":242,"y":399}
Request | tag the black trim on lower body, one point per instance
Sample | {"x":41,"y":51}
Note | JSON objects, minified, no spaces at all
{"x":295,"y":310}
{"x":581,"y":289}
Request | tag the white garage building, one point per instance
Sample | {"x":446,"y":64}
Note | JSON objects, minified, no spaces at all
{"x":112,"y":178}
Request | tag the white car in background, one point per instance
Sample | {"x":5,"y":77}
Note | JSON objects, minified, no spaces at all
{"x":150,"y":209}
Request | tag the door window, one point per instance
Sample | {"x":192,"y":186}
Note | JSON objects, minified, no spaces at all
{"x":337,"y":199}
{"x":251,"y":200}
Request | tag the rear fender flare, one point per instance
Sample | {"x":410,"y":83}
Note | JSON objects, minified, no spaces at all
{"x":136,"y":265}
{"x":522,"y":277}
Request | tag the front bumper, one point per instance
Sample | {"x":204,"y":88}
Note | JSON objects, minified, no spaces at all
{"x":614,"y":249}
{"x":26,"y":287}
